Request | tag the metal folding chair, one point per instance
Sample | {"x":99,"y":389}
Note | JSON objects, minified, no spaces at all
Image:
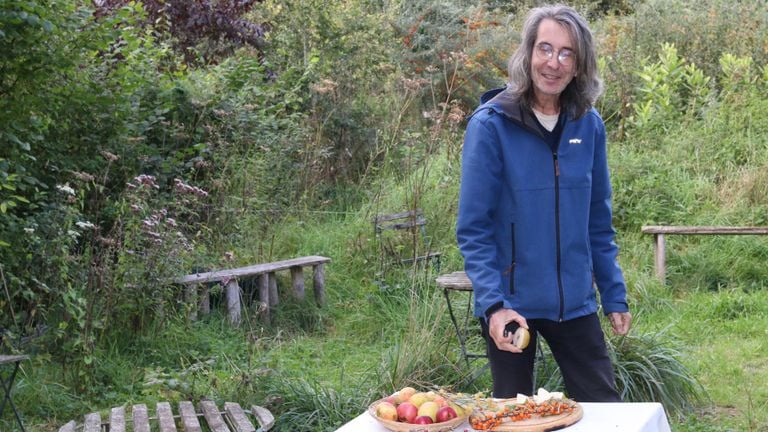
{"x":7,"y":383}
{"x":403,"y":241}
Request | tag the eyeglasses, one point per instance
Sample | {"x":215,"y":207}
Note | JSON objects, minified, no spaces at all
{"x":545,"y":52}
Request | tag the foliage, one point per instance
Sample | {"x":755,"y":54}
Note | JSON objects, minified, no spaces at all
{"x":201,"y":31}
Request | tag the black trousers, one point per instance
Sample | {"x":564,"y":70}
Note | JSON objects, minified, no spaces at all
{"x":578,"y":346}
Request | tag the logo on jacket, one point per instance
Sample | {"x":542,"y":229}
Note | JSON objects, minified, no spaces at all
{"x":574,"y":141}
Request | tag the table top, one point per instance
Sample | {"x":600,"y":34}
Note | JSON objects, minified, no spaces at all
{"x":4,"y":359}
{"x":624,"y":417}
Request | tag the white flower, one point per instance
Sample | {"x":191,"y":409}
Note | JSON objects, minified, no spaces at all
{"x":72,"y":233}
{"x":29,"y":230}
{"x":85,"y":225}
{"x":65,"y":188}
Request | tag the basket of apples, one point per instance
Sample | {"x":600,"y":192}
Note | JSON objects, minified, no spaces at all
{"x":409,"y":410}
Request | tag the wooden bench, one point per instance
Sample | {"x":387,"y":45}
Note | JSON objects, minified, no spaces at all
{"x":659,"y":249}
{"x":207,"y":417}
{"x":267,"y":283}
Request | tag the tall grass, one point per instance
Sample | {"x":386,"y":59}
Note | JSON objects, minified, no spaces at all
{"x":649,"y":368}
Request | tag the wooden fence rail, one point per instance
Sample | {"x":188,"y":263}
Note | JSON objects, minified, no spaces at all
{"x":660,"y":247}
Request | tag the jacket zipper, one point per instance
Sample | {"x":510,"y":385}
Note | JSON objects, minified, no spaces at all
{"x":512,"y":266}
{"x":557,"y":233}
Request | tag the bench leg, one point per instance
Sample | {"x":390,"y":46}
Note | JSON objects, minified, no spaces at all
{"x":233,"y":301}
{"x":297,"y":280}
{"x":273,"y":296}
{"x":318,"y":283}
{"x":659,"y":254}
{"x":204,"y":299}
{"x":190,"y":300}
{"x":265,"y":297}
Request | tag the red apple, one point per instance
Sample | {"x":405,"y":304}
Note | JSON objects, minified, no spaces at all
{"x":406,"y":412}
{"x":444,"y":414}
{"x":423,"y":420}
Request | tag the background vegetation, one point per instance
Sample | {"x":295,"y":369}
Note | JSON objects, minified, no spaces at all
{"x":141,"y":142}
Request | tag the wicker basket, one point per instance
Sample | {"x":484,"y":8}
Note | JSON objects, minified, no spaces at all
{"x":445,"y":426}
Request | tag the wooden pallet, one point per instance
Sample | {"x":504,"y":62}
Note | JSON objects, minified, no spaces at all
{"x":232,"y":419}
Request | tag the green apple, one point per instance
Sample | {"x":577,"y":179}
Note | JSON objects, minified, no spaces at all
{"x":429,"y":408}
{"x":386,"y":411}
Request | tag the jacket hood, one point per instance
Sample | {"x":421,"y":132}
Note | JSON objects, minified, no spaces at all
{"x":504,"y":102}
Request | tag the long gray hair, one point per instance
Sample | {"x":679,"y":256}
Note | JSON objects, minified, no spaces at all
{"x":586,"y":86}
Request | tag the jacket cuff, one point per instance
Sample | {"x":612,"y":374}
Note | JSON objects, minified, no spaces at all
{"x":493,"y":308}
{"x":615,"y":307}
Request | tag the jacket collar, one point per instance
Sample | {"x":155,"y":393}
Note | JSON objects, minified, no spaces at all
{"x":504,"y":102}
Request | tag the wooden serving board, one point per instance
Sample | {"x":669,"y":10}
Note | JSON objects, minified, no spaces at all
{"x":543,"y":424}
{"x":534,"y":424}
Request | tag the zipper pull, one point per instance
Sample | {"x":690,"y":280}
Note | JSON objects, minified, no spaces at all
{"x":557,"y":165}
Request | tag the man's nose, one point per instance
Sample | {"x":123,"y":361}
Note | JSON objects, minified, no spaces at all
{"x":554,"y":63}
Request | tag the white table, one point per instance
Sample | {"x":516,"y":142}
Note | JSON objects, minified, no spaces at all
{"x":598,"y":417}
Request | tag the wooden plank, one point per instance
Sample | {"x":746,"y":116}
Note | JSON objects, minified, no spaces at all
{"x":455,"y":281}
{"x":253,"y":270}
{"x":395,"y":216}
{"x":7,"y":359}
{"x":140,"y":418}
{"x":69,"y":427}
{"x":297,"y":281}
{"x":237,"y":418}
{"x":263,"y":416}
{"x":402,"y":225}
{"x":165,"y":417}
{"x":708,"y":230}
{"x":117,"y":419}
{"x":318,"y":283}
{"x":233,"y":301}
{"x":189,"y":422}
{"x":92,"y":423}
{"x":274,"y":298}
{"x":213,"y":417}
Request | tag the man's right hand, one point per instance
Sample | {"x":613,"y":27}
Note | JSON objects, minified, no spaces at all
{"x":497,"y":324}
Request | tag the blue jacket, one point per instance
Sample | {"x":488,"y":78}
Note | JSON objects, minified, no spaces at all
{"x":534,"y":223}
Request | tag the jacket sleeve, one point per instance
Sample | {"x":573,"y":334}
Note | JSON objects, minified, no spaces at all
{"x":481,"y":185}
{"x":608,"y":275}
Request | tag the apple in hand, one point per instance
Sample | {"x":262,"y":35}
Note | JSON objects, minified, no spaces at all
{"x":423,"y":420}
{"x":387,"y":411}
{"x":407,"y":412}
{"x":444,"y":414}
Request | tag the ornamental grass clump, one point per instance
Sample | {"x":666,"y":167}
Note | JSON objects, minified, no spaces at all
{"x":648,"y":368}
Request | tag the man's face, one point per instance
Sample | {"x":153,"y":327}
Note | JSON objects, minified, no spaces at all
{"x":553,"y":61}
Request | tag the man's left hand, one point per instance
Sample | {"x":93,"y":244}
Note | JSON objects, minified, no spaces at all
{"x":621,"y":322}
